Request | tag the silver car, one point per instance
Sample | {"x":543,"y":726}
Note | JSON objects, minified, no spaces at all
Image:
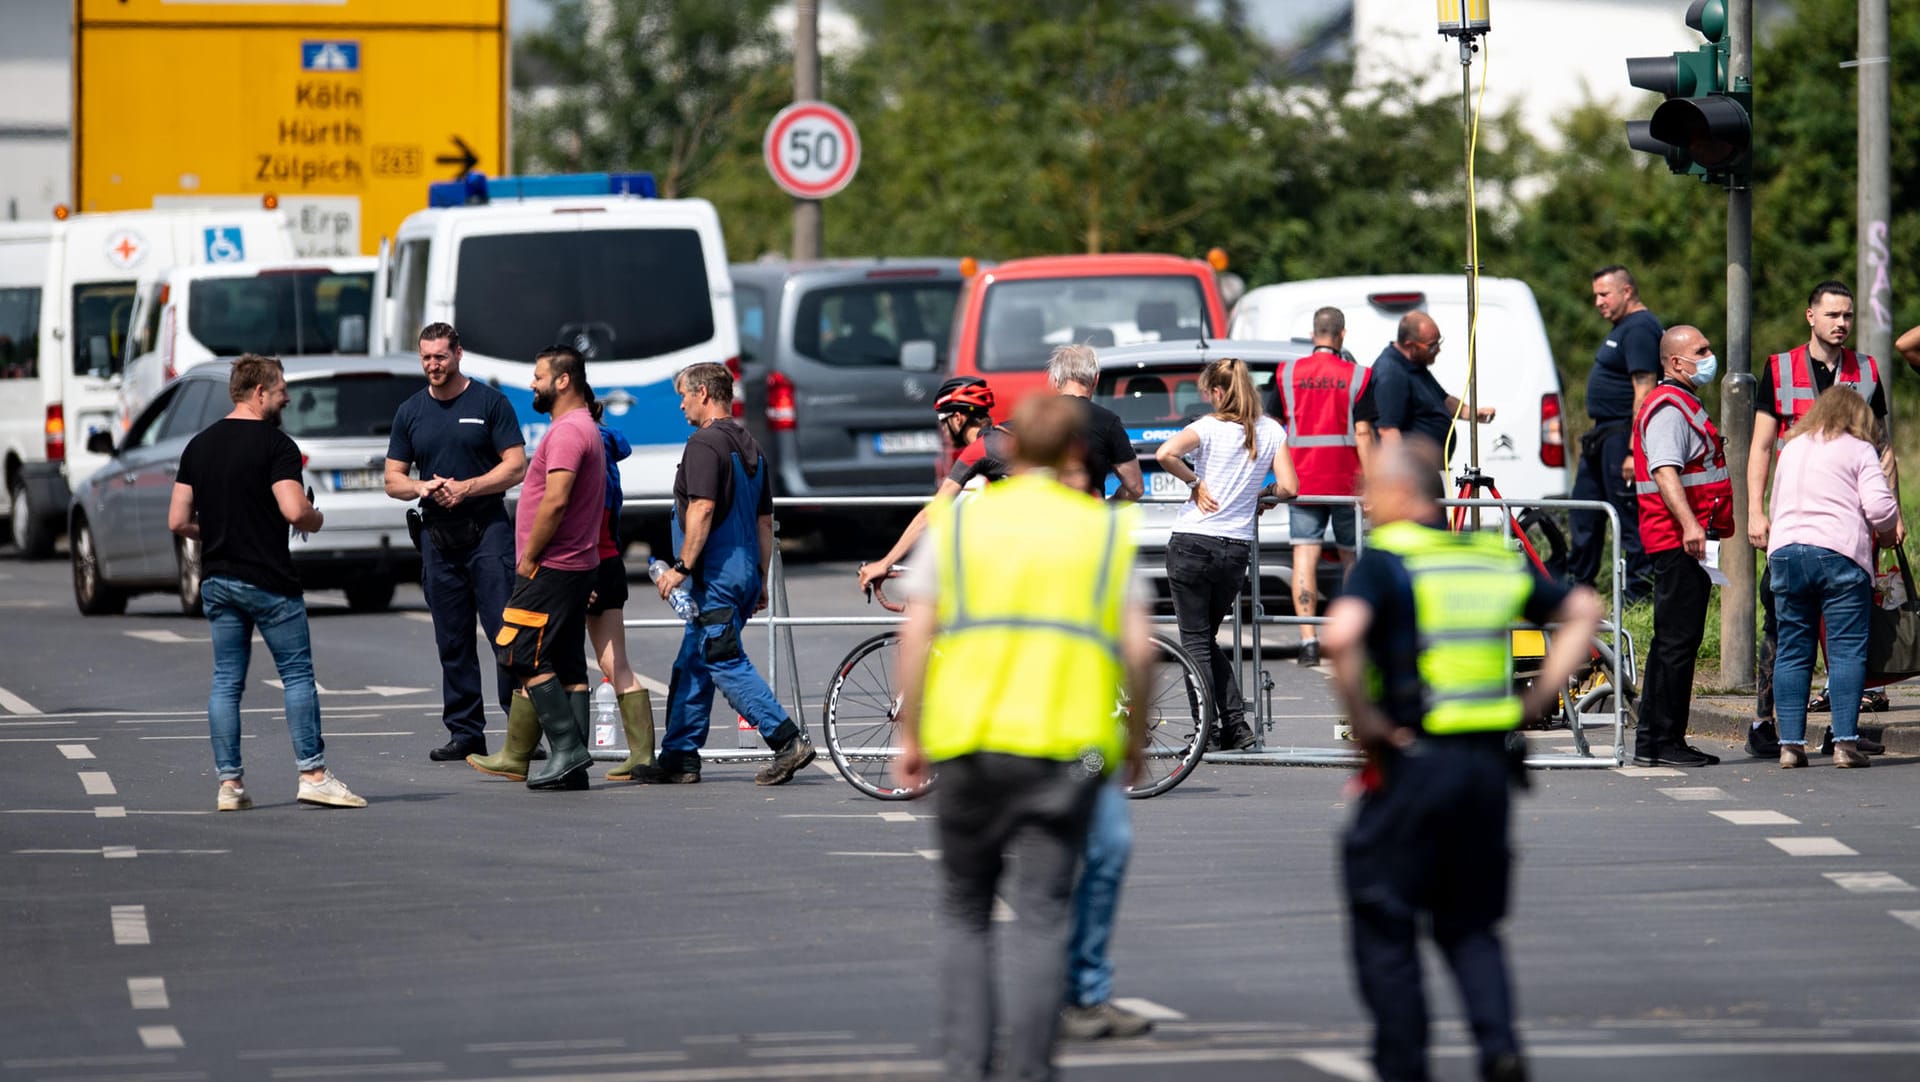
{"x":340,"y":412}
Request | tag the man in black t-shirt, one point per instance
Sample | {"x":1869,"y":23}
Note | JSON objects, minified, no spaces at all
{"x":462,"y":436}
{"x":1625,"y":369}
{"x":1075,"y":371}
{"x":238,"y":492}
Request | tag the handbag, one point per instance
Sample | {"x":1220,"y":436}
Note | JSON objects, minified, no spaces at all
{"x":1893,"y":635}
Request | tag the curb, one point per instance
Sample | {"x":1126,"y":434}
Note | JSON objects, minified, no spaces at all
{"x":1728,"y":718}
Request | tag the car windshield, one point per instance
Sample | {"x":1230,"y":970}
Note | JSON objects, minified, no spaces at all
{"x":613,"y":294}
{"x":1024,"y":319}
{"x":282,"y":313}
{"x":346,"y":406}
{"x":863,"y":325}
{"x":1164,"y":396}
{"x":101,"y":311}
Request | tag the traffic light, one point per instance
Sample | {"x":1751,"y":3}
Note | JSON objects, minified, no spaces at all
{"x":1703,"y":128}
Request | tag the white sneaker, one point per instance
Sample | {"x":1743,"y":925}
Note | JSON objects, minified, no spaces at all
{"x":329,"y":792}
{"x":233,"y":798}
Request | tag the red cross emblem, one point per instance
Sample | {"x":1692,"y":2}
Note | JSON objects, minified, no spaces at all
{"x":125,"y":247}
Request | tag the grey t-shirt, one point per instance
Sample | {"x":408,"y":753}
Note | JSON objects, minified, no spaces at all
{"x":1670,"y":440}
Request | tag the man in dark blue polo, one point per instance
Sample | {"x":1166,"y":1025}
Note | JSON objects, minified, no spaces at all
{"x":1625,"y":369}
{"x":1410,"y":400}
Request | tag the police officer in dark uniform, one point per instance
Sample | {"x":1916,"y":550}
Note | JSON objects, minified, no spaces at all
{"x":1420,"y":644}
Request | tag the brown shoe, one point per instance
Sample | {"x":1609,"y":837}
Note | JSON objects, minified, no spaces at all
{"x":1847,"y":756}
{"x":1792,"y":755}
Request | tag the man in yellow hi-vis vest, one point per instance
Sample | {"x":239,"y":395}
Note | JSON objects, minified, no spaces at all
{"x":1022,"y":636}
{"x":1420,"y":644}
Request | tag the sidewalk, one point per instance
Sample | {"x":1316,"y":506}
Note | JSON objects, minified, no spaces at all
{"x":1898,"y":727}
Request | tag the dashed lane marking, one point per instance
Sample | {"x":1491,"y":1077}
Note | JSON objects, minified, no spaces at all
{"x":1758,"y":818}
{"x":1908,"y":917}
{"x":1697,"y":792}
{"x":161,"y":1037}
{"x":599,"y":1059}
{"x":1649,"y":772}
{"x":97,"y":783}
{"x":164,"y":635}
{"x":1345,"y":1065}
{"x":352,"y":1070}
{"x":1002,"y":912}
{"x":1813,"y":847}
{"x":1869,"y":882}
{"x":196,"y":736}
{"x":1147,"y":1008}
{"x":130,"y":925}
{"x":314,"y":1053}
{"x":103,"y":811}
{"x":120,"y":852}
{"x":854,"y":853}
{"x":14,"y":704}
{"x":110,"y":811}
{"x":147,"y":993}
{"x":87,"y":1061}
{"x":41,"y":739}
{"x":836,"y":1050}
{"x":75,"y":751}
{"x":584,"y":1045}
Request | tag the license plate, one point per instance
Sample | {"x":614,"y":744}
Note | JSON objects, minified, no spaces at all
{"x":1163,"y":485}
{"x":358,"y":480}
{"x":917,"y":441}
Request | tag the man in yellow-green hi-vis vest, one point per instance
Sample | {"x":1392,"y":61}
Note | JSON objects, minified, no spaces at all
{"x":1420,"y":644}
{"x":1023,"y":634}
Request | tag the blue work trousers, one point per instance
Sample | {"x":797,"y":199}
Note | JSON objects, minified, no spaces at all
{"x":1097,"y":897}
{"x":460,"y":587}
{"x":712,"y":656}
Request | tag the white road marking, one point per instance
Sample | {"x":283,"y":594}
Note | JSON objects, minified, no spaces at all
{"x":897,"y":816}
{"x":836,"y":1050}
{"x":1147,"y":1008}
{"x":75,"y":751}
{"x":130,"y":925}
{"x":41,"y":739}
{"x":851,"y":853}
{"x":1908,"y":917}
{"x":198,"y":736}
{"x":1758,"y":818}
{"x":549,"y":1046}
{"x":313,"y":1053}
{"x":1345,"y":1065}
{"x":599,"y":1059}
{"x":110,"y":811}
{"x":396,"y":732}
{"x":383,"y":690}
{"x":1813,"y":847}
{"x":420,"y":617}
{"x":1649,"y":772}
{"x":1002,"y":912}
{"x":147,"y":993}
{"x":1869,"y":882}
{"x":164,"y":635}
{"x":14,"y":704}
{"x":349,"y":1070}
{"x":16,"y":724}
{"x":97,"y":783}
{"x":87,"y":1061}
{"x":1697,"y":792}
{"x":119,"y":852}
{"x":929,"y":854}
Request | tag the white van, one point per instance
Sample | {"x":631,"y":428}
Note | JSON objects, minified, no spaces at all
{"x":637,"y":284}
{"x":1523,"y":448}
{"x":189,"y":315}
{"x":93,"y":262}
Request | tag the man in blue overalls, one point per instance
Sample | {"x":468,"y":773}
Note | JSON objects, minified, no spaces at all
{"x":723,"y":538}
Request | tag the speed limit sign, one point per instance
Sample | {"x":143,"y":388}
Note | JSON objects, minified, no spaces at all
{"x":812,"y":150}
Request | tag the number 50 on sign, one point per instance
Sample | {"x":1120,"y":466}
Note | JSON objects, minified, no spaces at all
{"x":812,"y":149}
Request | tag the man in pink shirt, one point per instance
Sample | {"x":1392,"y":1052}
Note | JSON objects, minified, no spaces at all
{"x":542,"y":639}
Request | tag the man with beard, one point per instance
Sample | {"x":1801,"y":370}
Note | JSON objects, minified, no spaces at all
{"x":238,"y":492}
{"x":542,"y":637}
{"x":467,"y":446}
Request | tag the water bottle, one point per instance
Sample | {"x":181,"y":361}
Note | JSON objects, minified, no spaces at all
{"x":680,"y":598}
{"x":606,"y":716}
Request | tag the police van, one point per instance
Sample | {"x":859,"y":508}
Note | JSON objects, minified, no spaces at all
{"x":596,"y":261}
{"x":69,"y":388}
{"x":1523,"y":449}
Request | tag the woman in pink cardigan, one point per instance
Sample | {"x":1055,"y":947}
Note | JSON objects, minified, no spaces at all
{"x":1831,"y":504}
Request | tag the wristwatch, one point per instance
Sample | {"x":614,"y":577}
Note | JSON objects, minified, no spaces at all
{"x":1195,"y":483}
{"x":680,"y":567}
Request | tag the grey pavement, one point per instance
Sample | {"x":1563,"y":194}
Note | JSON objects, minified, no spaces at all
{"x":1737,"y":922}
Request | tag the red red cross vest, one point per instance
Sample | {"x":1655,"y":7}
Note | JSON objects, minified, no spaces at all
{"x":1793,"y":384}
{"x":1320,"y":391}
{"x":1708,"y":486}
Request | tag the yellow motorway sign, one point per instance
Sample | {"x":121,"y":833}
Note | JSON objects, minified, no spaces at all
{"x":367,"y":99}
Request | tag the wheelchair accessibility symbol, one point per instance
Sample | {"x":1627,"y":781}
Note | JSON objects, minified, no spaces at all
{"x":223,"y":245}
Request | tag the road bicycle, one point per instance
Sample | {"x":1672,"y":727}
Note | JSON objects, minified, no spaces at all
{"x":863,"y":702}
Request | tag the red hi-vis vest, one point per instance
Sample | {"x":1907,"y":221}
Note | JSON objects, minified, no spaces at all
{"x":1320,"y":391}
{"x":1793,"y":384}
{"x":1708,"y":486}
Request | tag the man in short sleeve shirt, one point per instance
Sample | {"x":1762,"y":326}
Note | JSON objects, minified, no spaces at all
{"x":1409,"y":398}
{"x":1625,"y":368}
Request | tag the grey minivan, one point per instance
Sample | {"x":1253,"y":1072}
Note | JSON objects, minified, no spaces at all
{"x":821,"y":378}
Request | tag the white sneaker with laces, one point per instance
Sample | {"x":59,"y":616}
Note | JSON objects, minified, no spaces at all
{"x":233,"y":798}
{"x":329,"y":792}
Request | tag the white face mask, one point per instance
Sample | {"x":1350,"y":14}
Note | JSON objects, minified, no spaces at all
{"x":1707,"y":368}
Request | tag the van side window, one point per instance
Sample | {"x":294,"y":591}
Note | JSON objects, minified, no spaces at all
{"x":101,"y":313}
{"x":863,"y":325}
{"x":148,"y":332}
{"x":750,"y":312}
{"x":410,"y":282}
{"x":20,"y":332}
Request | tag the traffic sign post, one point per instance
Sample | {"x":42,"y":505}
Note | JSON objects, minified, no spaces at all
{"x":812,"y":149}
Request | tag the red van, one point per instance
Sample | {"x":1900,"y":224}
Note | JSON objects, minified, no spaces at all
{"x":1013,"y":314}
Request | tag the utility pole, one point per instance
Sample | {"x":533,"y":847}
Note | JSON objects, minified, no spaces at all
{"x":1873,"y":276}
{"x":1737,"y":389}
{"x":806,"y":87}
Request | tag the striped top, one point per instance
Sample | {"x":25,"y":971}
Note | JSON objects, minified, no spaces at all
{"x":1231,"y":477}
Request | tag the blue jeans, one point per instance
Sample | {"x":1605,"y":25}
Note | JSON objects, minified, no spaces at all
{"x":713,"y":657}
{"x":1097,"y":897}
{"x":461,"y":587}
{"x":1811,"y":583}
{"x":234,"y":609}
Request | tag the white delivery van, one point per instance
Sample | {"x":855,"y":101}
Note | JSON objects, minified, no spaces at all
{"x":192,"y":314}
{"x":93,"y":262}
{"x":637,"y":284}
{"x":1523,"y":448}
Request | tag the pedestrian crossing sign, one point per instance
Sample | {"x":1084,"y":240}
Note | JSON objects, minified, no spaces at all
{"x":330,"y":56}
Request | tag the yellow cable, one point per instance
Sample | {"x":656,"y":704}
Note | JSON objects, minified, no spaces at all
{"x":1473,"y":231}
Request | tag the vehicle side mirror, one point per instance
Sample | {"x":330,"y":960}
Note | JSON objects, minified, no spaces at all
{"x":100,"y":442}
{"x":352,"y":336}
{"x":918,"y":356}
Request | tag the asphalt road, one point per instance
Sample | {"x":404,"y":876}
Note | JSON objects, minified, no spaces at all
{"x":464,"y":928}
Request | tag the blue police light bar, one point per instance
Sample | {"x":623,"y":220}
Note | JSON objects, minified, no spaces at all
{"x":478,"y":189}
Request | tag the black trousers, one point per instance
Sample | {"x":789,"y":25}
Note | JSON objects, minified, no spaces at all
{"x":1205,"y":574}
{"x":1681,"y":590}
{"x":1602,"y":450}
{"x":1432,"y":841}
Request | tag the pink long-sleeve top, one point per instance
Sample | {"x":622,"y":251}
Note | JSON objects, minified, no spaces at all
{"x":1831,"y":493}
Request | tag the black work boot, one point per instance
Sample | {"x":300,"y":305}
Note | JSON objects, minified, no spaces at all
{"x":567,"y":767}
{"x":792,"y":751}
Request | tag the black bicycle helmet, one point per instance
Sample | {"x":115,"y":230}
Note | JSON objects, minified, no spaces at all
{"x":963,"y":394}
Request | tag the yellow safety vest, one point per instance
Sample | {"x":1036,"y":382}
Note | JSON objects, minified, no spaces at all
{"x":1468,"y":590}
{"x":1027,"y":657}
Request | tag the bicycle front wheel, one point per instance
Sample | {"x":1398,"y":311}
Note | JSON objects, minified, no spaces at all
{"x":1179,"y":716}
{"x":859,"y":719}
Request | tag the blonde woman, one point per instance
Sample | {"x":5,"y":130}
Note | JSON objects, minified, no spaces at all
{"x":1831,"y":505}
{"x":1233,"y":449}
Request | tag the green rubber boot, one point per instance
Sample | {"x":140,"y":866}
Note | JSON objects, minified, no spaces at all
{"x":636,"y":716}
{"x":523,"y":734}
{"x":563,"y":717}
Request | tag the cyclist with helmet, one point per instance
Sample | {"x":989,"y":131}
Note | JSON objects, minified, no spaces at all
{"x":963,"y":404}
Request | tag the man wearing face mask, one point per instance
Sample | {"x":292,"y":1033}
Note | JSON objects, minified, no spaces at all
{"x":964,"y":405}
{"x":1686,"y":499}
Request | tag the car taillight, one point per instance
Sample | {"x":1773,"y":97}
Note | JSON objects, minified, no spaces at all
{"x":733,"y":369}
{"x":781,"y":415}
{"x":56,"y":433}
{"x":1553,"y":443}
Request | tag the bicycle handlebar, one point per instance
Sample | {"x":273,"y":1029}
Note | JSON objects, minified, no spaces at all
{"x":877,"y":589}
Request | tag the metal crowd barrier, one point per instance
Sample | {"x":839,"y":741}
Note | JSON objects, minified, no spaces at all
{"x":779,"y":620}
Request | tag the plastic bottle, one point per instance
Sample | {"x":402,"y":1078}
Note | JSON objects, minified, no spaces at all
{"x":606,"y":716}
{"x":681,"y":599}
